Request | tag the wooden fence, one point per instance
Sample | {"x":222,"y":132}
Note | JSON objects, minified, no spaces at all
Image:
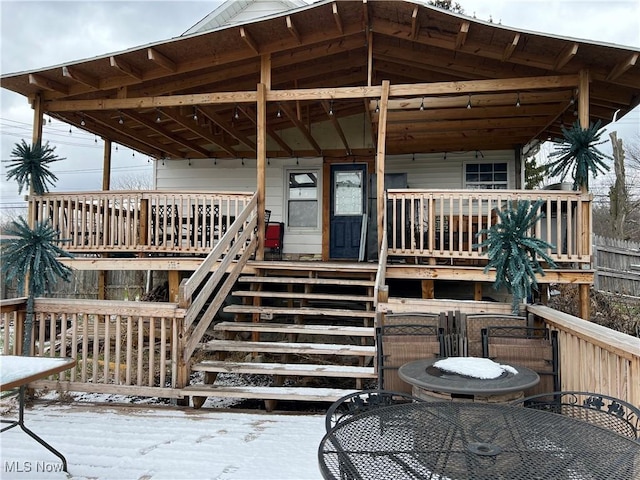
{"x":131,"y":348}
{"x":617,"y":264}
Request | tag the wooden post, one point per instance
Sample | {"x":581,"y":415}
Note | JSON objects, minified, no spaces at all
{"x":477,"y":291}
{"x":174,"y":285}
{"x":106,"y":166}
{"x":428,"y":288}
{"x":36,"y":137}
{"x":585,"y":234}
{"x":261,"y":158}
{"x":380,"y":158}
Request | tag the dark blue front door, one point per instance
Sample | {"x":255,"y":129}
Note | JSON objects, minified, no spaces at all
{"x":348,"y":195}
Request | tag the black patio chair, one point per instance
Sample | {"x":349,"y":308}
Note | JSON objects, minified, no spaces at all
{"x":363,"y":401}
{"x":596,"y":408}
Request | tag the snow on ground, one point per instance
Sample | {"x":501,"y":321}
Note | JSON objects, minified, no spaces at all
{"x":145,"y":442}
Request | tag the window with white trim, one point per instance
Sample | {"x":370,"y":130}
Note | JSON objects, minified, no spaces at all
{"x":302,"y":199}
{"x":486,"y":175}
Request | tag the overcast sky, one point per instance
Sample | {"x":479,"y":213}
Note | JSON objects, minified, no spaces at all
{"x":37,"y":34}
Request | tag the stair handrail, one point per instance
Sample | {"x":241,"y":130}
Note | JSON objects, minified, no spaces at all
{"x":380,"y":287}
{"x":240,"y":234}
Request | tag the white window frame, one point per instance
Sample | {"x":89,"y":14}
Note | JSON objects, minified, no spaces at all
{"x":472,"y":185}
{"x":318,"y":172}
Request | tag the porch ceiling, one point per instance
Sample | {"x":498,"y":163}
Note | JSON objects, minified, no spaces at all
{"x":431,"y":53}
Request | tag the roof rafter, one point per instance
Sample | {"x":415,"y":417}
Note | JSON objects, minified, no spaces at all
{"x":155,"y":127}
{"x":47,"y":84}
{"x":565,"y":56}
{"x":125,"y":67}
{"x":162,"y":60}
{"x":623,"y":66}
{"x":80,"y":77}
{"x":301,"y":126}
{"x":292,"y":29}
{"x":248,"y":39}
{"x":328,"y":108}
{"x":227,"y":127}
{"x":336,"y":17}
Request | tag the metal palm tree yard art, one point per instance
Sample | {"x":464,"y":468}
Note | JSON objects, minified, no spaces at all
{"x":30,"y":256}
{"x":577,"y":154}
{"x":29,"y":166}
{"x":516,"y":256}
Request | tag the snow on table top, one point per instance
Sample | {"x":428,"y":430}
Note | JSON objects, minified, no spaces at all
{"x":14,"y":368}
{"x":483,"y":368}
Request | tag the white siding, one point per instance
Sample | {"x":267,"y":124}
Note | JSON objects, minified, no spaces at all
{"x":436,"y":171}
{"x":232,"y":176}
{"x":428,"y":171}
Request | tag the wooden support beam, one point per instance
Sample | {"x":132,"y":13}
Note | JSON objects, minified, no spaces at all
{"x":248,"y":39}
{"x":623,"y":66}
{"x":461,"y":37}
{"x":415,"y":24}
{"x":261,"y":160}
{"x":81,"y":77}
{"x":292,"y":29}
{"x":477,"y":291}
{"x":336,"y":17}
{"x":221,"y":98}
{"x":199,"y":130}
{"x":380,"y":159}
{"x":428,"y":289}
{"x":47,"y":84}
{"x":106,"y":165}
{"x":125,"y":67}
{"x":251,"y":115}
{"x":584,"y":299}
{"x":162,"y":60}
{"x":565,"y":56}
{"x":510,"y":48}
{"x":365,"y":15}
{"x":328,"y":107}
{"x":174,"y":285}
{"x":291,"y":114}
{"x":150,"y":124}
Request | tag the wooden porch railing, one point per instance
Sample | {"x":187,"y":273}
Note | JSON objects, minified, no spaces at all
{"x":445,"y":223}
{"x":130,"y":348}
{"x":140,"y":221}
{"x":231,"y":255}
{"x":594,"y":358}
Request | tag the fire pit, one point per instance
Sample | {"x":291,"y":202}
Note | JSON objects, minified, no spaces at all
{"x":467,"y":379}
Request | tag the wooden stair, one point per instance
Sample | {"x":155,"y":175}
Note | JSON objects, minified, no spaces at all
{"x":299,"y":325}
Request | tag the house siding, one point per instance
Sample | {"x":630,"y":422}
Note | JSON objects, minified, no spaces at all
{"x":425,"y":171}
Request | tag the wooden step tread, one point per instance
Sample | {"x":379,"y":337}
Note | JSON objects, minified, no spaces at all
{"x":315,"y":266}
{"x":267,"y":393}
{"x":303,"y":296}
{"x":308,"y":281}
{"x":288,"y":347}
{"x":297,"y":369}
{"x":295,"y":328}
{"x":335,"y":312}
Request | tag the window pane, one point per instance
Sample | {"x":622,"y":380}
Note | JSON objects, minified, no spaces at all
{"x":348,"y":193}
{"x":303,"y":213}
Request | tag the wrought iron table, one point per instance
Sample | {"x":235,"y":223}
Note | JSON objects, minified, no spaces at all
{"x":431,"y":383}
{"x":17,"y":372}
{"x":480,"y":441}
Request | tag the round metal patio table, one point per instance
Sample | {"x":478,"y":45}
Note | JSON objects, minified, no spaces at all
{"x":480,"y":441}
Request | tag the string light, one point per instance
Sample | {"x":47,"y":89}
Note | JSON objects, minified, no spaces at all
{"x":82,"y":122}
{"x":279,"y":113}
{"x":158,"y":117}
{"x":377,"y":110}
{"x":121,"y":120}
{"x":518,"y":100}
{"x":195,"y":114}
{"x":70,"y":130}
{"x":469,"y":102}
{"x":331,"y":108}
{"x":236,"y":113}
{"x":422,"y":105}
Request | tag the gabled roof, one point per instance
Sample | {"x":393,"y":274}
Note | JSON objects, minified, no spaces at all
{"x":241,"y":11}
{"x":333,"y":57}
